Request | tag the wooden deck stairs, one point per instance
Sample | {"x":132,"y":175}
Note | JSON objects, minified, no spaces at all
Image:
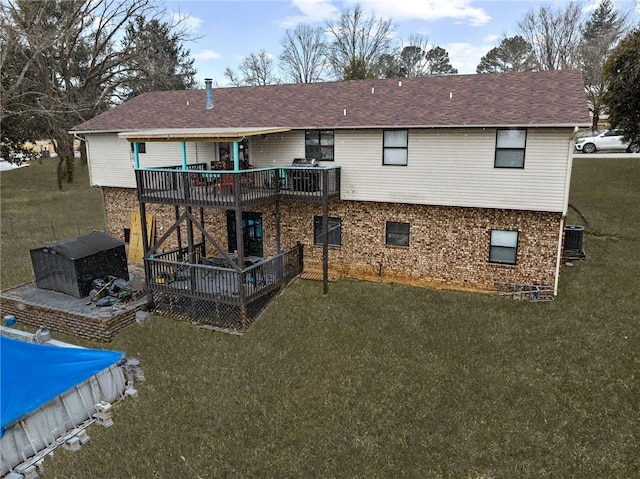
{"x":317,"y":276}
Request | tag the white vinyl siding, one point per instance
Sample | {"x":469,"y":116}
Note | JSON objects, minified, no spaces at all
{"x":111,"y":159}
{"x":278,"y":150}
{"x":448,"y":167}
{"x":455,"y":167}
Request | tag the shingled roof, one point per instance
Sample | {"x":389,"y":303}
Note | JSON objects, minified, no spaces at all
{"x":549,"y":98}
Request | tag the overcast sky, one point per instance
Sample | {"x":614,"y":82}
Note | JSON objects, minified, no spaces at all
{"x":230,"y":30}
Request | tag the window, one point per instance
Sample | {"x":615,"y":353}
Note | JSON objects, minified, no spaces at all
{"x":142,"y":147}
{"x":510,"y":146}
{"x":335,"y":231}
{"x":395,"y":147}
{"x":319,"y":144}
{"x":397,"y":233}
{"x":613,"y":133}
{"x":504,"y":246}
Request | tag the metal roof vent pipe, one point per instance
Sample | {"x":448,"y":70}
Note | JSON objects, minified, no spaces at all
{"x":207,"y":83}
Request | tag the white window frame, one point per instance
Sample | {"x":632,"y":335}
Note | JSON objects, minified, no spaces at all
{"x":503,"y":246}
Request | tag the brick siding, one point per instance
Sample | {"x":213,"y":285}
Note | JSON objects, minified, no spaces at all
{"x":449,"y":246}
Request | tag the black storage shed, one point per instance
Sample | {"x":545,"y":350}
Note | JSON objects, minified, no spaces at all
{"x":70,"y":266}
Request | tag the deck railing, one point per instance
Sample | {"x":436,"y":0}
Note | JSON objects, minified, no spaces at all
{"x":219,"y":296}
{"x":169,"y":274}
{"x":224,"y":188}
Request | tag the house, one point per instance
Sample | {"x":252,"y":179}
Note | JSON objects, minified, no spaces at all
{"x":451,"y":181}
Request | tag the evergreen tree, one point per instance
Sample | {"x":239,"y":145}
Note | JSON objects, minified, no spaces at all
{"x":600,"y":34}
{"x":622,"y":98}
{"x":438,"y":62}
{"x":357,"y":70}
{"x":158,"y":60}
{"x":413,"y":61}
{"x":514,"y":54}
{"x":389,"y":67}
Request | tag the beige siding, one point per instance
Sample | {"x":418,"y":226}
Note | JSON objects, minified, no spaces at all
{"x":111,"y":160}
{"x":455,"y":168}
{"x":277,"y":150}
{"x":446,"y":167}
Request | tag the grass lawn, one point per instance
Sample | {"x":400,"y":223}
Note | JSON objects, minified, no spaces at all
{"x":395,"y":381}
{"x":34,"y":213}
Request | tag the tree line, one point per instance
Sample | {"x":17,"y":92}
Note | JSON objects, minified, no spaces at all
{"x":359,"y":46}
{"x":64,"y":62}
{"x":356,"y":46}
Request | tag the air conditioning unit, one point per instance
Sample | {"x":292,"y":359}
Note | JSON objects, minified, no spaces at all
{"x":573,"y":239}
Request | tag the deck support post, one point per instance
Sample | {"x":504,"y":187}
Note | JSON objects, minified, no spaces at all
{"x":190,"y":252}
{"x":276,"y":215}
{"x":143,"y":228}
{"x":202,"y":238}
{"x":325,"y":234}
{"x":178,"y":232}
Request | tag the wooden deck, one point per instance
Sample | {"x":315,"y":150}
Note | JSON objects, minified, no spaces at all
{"x":230,"y":189}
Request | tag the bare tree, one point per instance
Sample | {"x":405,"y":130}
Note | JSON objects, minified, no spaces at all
{"x":554,"y":35}
{"x":70,"y":61}
{"x":233,"y":76}
{"x":256,"y":69}
{"x":304,"y":55}
{"x":358,"y":42}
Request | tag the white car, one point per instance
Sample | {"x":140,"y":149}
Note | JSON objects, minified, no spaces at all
{"x":608,"y":140}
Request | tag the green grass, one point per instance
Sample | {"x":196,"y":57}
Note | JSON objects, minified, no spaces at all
{"x":34,"y":213}
{"x":394,"y":381}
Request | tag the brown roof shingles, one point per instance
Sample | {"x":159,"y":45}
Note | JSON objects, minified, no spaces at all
{"x":550,"y":98}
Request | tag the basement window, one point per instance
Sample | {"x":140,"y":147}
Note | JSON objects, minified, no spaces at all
{"x":397,"y":233}
{"x":335,"y":231}
{"x":510,"y":148}
{"x":503,"y":248}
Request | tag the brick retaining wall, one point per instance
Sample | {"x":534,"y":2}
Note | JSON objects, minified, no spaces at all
{"x":92,"y":327}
